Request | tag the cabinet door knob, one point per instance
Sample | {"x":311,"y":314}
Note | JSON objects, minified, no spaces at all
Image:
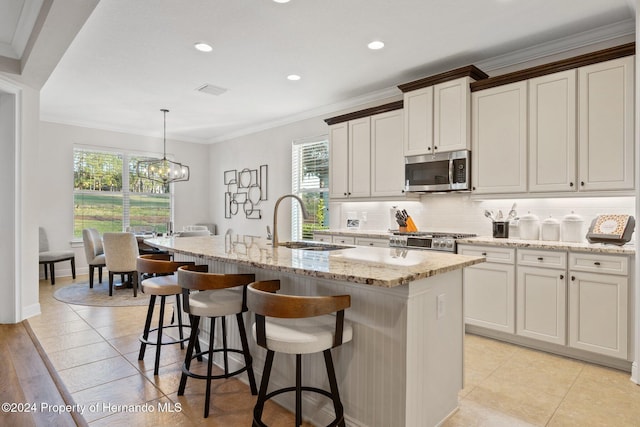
{"x":562,"y":277}
{"x":473,"y":188}
{"x":596,"y":263}
{"x":540,"y":258}
{"x":582,"y":183}
{"x":484,"y":254}
{"x":428,"y":148}
{"x":573,"y":278}
{"x":435,"y":147}
{"x":371,"y":244}
{"x":571,"y":184}
{"x":345,"y":194}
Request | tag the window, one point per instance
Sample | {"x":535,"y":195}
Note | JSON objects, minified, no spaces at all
{"x":310,"y":181}
{"x":108,"y":195}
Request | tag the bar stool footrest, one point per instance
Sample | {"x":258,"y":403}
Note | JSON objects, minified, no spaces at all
{"x":175,"y":341}
{"x":213,"y":377}
{"x":339,"y":419}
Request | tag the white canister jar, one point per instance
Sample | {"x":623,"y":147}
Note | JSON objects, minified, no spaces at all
{"x":550,"y":229}
{"x":529,"y":227}
{"x":514,"y":229}
{"x":572,"y":229}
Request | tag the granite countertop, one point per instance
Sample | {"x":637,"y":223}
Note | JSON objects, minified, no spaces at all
{"x":628,"y":249}
{"x":386,"y":267}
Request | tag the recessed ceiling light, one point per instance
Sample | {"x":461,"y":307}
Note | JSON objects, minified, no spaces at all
{"x":293,"y":77}
{"x":203,"y":47}
{"x":281,"y":1}
{"x":375,"y":45}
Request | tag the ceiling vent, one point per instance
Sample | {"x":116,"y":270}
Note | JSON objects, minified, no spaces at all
{"x":211,"y":89}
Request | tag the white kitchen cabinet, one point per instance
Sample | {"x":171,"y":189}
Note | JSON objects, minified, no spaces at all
{"x":606,"y":124}
{"x":350,"y":159}
{"x":452,"y":115}
{"x":489,"y":288}
{"x":360,"y":157}
{"x":339,"y":160}
{"x":598,"y":304}
{"x":372,"y":242}
{"x":602,"y":95}
{"x":499,"y":139}
{"x":343,"y":240}
{"x":541,"y":295}
{"x":552,"y":132}
{"x":437,"y":118}
{"x":322,"y":237}
{"x":387,"y":158}
{"x":418,"y":121}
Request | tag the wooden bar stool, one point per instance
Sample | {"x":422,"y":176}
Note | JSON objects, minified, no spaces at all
{"x":217,"y":298}
{"x":298,"y":325}
{"x":161,"y":282}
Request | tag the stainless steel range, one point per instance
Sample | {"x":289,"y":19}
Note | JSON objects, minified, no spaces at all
{"x":433,"y":241}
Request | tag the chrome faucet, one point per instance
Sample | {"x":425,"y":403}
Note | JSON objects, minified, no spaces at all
{"x":275,"y":215}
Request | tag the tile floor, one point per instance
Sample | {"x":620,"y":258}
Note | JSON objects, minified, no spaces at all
{"x":95,"y":351}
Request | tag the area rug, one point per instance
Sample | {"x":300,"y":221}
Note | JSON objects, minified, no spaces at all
{"x":81,"y":294}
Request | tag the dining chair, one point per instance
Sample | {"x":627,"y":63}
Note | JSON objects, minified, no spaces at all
{"x":121,"y":254}
{"x":48,"y":257}
{"x":94,"y":251}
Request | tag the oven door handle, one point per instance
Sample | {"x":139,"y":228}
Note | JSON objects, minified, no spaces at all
{"x":450,"y":171}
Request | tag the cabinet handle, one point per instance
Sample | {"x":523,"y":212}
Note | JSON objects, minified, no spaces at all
{"x":571,"y":184}
{"x":371,"y":244}
{"x":562,"y":277}
{"x":484,"y":254}
{"x":596,"y":263}
{"x":573,"y":278}
{"x":540,"y":258}
{"x":344,"y":194}
{"x":473,"y":188}
{"x":428,"y":148}
{"x":582,"y":183}
{"x":435,"y":147}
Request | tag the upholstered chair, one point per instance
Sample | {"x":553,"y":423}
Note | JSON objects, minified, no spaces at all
{"x":121,"y":253}
{"x":94,"y":251}
{"x":49,"y":258}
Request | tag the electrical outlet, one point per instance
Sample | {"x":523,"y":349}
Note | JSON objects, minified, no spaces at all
{"x":440,"y":306}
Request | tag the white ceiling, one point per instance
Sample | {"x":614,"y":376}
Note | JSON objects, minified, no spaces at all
{"x":132,"y":58}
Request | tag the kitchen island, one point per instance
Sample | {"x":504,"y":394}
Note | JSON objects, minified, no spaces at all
{"x":404,"y":366}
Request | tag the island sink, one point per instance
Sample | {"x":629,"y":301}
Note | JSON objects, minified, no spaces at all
{"x":313,"y":246}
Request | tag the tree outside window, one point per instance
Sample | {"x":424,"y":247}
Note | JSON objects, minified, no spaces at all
{"x":109,"y":196}
{"x":310,"y":181}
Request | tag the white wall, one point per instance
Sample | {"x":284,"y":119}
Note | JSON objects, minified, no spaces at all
{"x":55,"y":178}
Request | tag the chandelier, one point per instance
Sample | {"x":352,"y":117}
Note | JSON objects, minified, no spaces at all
{"x":162,"y":170}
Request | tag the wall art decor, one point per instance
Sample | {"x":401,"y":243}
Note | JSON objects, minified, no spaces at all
{"x":246,"y":188}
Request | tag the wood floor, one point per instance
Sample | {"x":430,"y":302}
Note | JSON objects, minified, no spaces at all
{"x":31,"y":394}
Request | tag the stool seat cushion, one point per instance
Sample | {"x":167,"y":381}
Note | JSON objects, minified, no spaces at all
{"x":215,"y":303}
{"x":303,"y":336}
{"x":52,"y":256}
{"x":161,"y":285}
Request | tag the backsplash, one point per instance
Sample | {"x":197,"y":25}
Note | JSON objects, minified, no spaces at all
{"x":460,"y":213}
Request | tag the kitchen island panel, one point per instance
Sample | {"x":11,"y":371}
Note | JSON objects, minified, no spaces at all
{"x":404,"y":365}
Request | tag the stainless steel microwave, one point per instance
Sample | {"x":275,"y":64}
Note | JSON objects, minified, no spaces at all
{"x":438,"y":172}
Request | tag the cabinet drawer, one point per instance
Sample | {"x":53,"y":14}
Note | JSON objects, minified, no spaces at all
{"x":598,"y":263}
{"x":548,"y":259}
{"x":344,"y":240}
{"x":378,"y":243}
{"x":322,"y":238}
{"x":492,"y":253}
